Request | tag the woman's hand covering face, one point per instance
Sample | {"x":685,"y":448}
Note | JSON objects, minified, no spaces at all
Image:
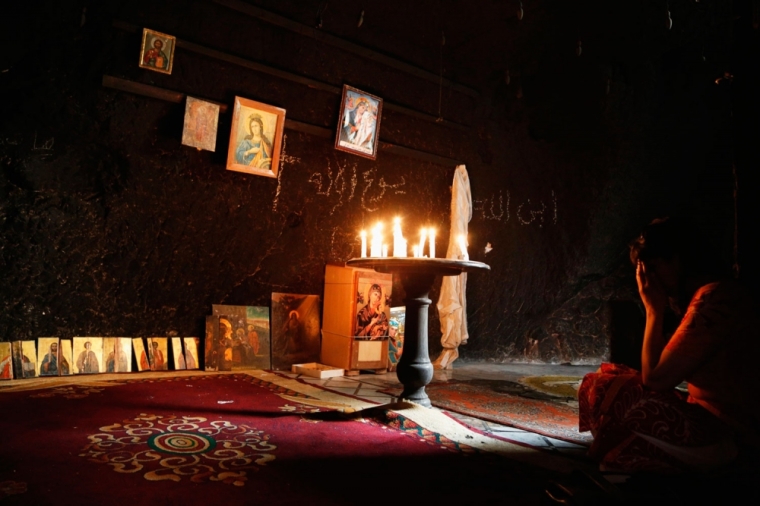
{"x":651,"y":288}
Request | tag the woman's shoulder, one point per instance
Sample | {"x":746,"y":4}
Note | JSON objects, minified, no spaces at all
{"x":723,"y":288}
{"x":728,"y":294}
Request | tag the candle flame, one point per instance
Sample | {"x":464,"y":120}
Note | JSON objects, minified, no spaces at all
{"x":423,"y":236}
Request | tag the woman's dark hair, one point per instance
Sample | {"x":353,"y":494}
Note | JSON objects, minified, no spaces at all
{"x":668,"y":237}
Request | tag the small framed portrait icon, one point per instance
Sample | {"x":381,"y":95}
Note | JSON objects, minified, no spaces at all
{"x":157,"y":51}
{"x":255,"y":138}
{"x":359,"y":124}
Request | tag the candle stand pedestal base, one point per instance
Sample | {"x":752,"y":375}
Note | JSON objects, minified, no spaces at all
{"x":417,"y":276}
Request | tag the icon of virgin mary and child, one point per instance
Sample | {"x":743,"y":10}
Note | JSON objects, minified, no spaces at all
{"x":371,"y":320}
{"x":255,"y":150}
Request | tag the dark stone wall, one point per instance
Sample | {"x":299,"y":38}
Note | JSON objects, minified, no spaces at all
{"x":109,"y":226}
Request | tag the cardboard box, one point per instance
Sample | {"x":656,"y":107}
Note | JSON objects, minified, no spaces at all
{"x":347,"y":293}
{"x":317,"y":370}
{"x":354,"y":354}
{"x":353,"y":337}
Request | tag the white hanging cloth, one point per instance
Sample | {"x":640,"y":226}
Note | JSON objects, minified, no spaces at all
{"x":452,"y":304}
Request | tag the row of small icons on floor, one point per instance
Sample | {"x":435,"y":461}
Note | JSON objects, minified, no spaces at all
{"x":52,"y":356}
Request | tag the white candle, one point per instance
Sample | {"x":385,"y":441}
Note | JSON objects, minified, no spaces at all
{"x":463,"y":247}
{"x":385,"y":250}
{"x":377,"y":241}
{"x":363,"y":234}
{"x":416,"y":251}
{"x":399,"y":245}
{"x":423,"y":234}
{"x":431,"y":233}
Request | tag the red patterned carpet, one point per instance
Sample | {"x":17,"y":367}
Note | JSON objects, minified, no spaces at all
{"x":511,"y":404}
{"x":232,"y":439}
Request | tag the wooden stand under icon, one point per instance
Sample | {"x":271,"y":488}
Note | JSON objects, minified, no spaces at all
{"x":346,"y":292}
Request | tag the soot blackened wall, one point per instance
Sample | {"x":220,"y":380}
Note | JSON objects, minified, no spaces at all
{"x":110,"y":226}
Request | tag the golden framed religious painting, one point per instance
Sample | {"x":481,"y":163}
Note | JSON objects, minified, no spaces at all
{"x":89,"y":355}
{"x":117,"y":354}
{"x":50,"y":362}
{"x":255,"y":138}
{"x":157,"y":51}
{"x":6,"y":361}
{"x":359,"y":125}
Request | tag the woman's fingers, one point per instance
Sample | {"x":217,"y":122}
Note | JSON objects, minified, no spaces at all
{"x":650,"y":287}
{"x":640,"y":275}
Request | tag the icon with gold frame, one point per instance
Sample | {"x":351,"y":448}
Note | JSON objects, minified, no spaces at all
{"x":157,"y":51}
{"x":255,"y":138}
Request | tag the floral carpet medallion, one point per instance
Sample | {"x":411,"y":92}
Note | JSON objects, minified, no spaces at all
{"x":258,"y":437}
{"x":173,"y":448}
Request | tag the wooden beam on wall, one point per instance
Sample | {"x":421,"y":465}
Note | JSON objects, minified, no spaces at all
{"x":308,"y":128}
{"x":395,"y":149}
{"x":306,"y":81}
{"x":177,"y":97}
{"x":259,"y":67}
{"x":352,"y":47}
{"x":148,"y":90}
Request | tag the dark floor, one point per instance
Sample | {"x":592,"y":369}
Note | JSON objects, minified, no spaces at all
{"x":735,"y":485}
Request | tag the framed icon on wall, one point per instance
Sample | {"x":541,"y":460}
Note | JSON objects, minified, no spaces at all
{"x":157,"y":51}
{"x":359,"y":124}
{"x":255,"y":138}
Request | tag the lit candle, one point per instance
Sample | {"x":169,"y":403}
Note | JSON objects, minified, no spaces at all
{"x":376,"y":244}
{"x":399,"y":244}
{"x":416,"y":251}
{"x":385,"y":250}
{"x":463,"y":247}
{"x":363,"y":234}
{"x":431,"y":233}
{"x":423,"y":235}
